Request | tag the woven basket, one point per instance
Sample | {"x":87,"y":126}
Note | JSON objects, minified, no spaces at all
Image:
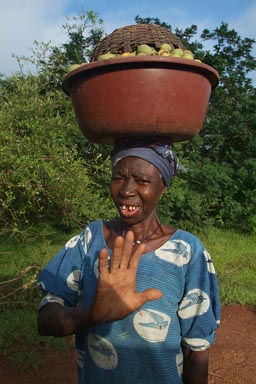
{"x":128,"y":38}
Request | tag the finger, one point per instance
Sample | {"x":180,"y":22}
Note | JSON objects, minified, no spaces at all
{"x":151,"y":294}
{"x":136,"y":256}
{"x":127,"y":249}
{"x":103,"y":261}
{"x":117,"y":253}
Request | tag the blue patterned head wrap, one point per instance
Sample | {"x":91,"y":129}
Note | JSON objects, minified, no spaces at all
{"x":161,"y":156}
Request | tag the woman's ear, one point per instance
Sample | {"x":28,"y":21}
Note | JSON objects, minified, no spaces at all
{"x":164,"y":190}
{"x":164,"y":187}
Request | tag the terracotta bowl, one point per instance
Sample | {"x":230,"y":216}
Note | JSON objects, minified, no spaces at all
{"x":140,"y":96}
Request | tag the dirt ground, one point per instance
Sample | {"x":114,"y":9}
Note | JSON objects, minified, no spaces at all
{"x":232,"y":358}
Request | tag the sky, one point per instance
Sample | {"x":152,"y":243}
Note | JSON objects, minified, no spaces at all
{"x":26,"y":21}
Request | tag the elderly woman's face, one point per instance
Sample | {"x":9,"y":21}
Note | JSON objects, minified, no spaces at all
{"x":136,"y":188}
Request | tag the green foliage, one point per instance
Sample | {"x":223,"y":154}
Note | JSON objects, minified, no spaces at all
{"x":220,"y":184}
{"x":83,"y":33}
{"x":48,"y":171}
{"x":42,"y":175}
{"x":37,"y":167}
{"x":228,"y":142}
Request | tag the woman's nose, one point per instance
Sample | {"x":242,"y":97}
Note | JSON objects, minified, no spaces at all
{"x":128,"y":188}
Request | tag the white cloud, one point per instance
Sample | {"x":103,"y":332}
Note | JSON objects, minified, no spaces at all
{"x":23,"y":22}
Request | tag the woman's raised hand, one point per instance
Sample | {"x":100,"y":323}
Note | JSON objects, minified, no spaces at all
{"x":116,"y":295}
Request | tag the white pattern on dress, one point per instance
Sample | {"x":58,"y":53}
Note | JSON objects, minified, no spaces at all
{"x":152,"y":325}
{"x":86,"y":238}
{"x":102,"y":351}
{"x":210,"y":265}
{"x":73,"y":280}
{"x":177,"y":252}
{"x":195,"y":303}
{"x":72,"y":242}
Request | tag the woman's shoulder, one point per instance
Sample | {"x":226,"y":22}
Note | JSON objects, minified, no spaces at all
{"x":186,"y":236}
{"x":95,"y":225}
{"x":191,"y":241}
{"x":92,"y":230}
{"x":182,"y":248}
{"x":91,"y":233}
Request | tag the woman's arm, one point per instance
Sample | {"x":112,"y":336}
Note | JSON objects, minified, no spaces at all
{"x":55,"y":320}
{"x":195,"y":366}
{"x":115,"y":297}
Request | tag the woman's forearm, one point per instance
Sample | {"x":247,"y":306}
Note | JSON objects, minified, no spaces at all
{"x":55,"y":320}
{"x":195,"y":366}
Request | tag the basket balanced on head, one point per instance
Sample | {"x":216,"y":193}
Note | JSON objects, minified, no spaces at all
{"x":141,"y":82}
{"x":129,"y":38}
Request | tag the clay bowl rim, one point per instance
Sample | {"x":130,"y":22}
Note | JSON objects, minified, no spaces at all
{"x":130,"y":62}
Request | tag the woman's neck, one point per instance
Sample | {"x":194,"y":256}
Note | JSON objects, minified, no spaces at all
{"x":118,"y":228}
{"x":142,"y":231}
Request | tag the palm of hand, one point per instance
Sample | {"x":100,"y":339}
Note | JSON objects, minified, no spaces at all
{"x":116,"y":295}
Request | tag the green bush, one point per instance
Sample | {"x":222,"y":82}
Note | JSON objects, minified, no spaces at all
{"x":43,"y":178}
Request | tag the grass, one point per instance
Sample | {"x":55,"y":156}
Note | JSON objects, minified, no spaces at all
{"x":20,"y":262}
{"x":234,"y":257}
{"x":19,"y":341}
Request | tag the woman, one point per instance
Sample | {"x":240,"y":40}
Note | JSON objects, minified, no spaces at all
{"x":141,"y":296}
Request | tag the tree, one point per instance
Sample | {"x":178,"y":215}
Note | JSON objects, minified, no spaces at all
{"x":42,"y":150}
{"x":227,"y":146}
{"x":83,"y":33}
{"x":220,"y":185}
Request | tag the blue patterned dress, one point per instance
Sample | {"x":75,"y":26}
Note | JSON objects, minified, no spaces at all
{"x":145,"y":347}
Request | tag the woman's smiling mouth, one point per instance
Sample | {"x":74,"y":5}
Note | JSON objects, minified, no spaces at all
{"x":128,"y":210}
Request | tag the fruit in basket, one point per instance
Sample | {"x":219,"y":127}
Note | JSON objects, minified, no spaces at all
{"x":177,"y":52}
{"x":72,"y":67}
{"x":126,"y":54}
{"x":106,"y":56}
{"x":166,"y":47}
{"x":163,"y":52}
{"x":146,"y":49}
{"x":188,"y":55}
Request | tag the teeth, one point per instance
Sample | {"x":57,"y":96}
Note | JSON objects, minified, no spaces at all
{"x":129,"y":208}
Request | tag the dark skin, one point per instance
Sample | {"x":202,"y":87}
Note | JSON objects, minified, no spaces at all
{"x":136,"y":188}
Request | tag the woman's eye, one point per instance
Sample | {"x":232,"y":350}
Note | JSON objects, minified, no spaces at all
{"x":142,"y":181}
{"x":117,"y":178}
